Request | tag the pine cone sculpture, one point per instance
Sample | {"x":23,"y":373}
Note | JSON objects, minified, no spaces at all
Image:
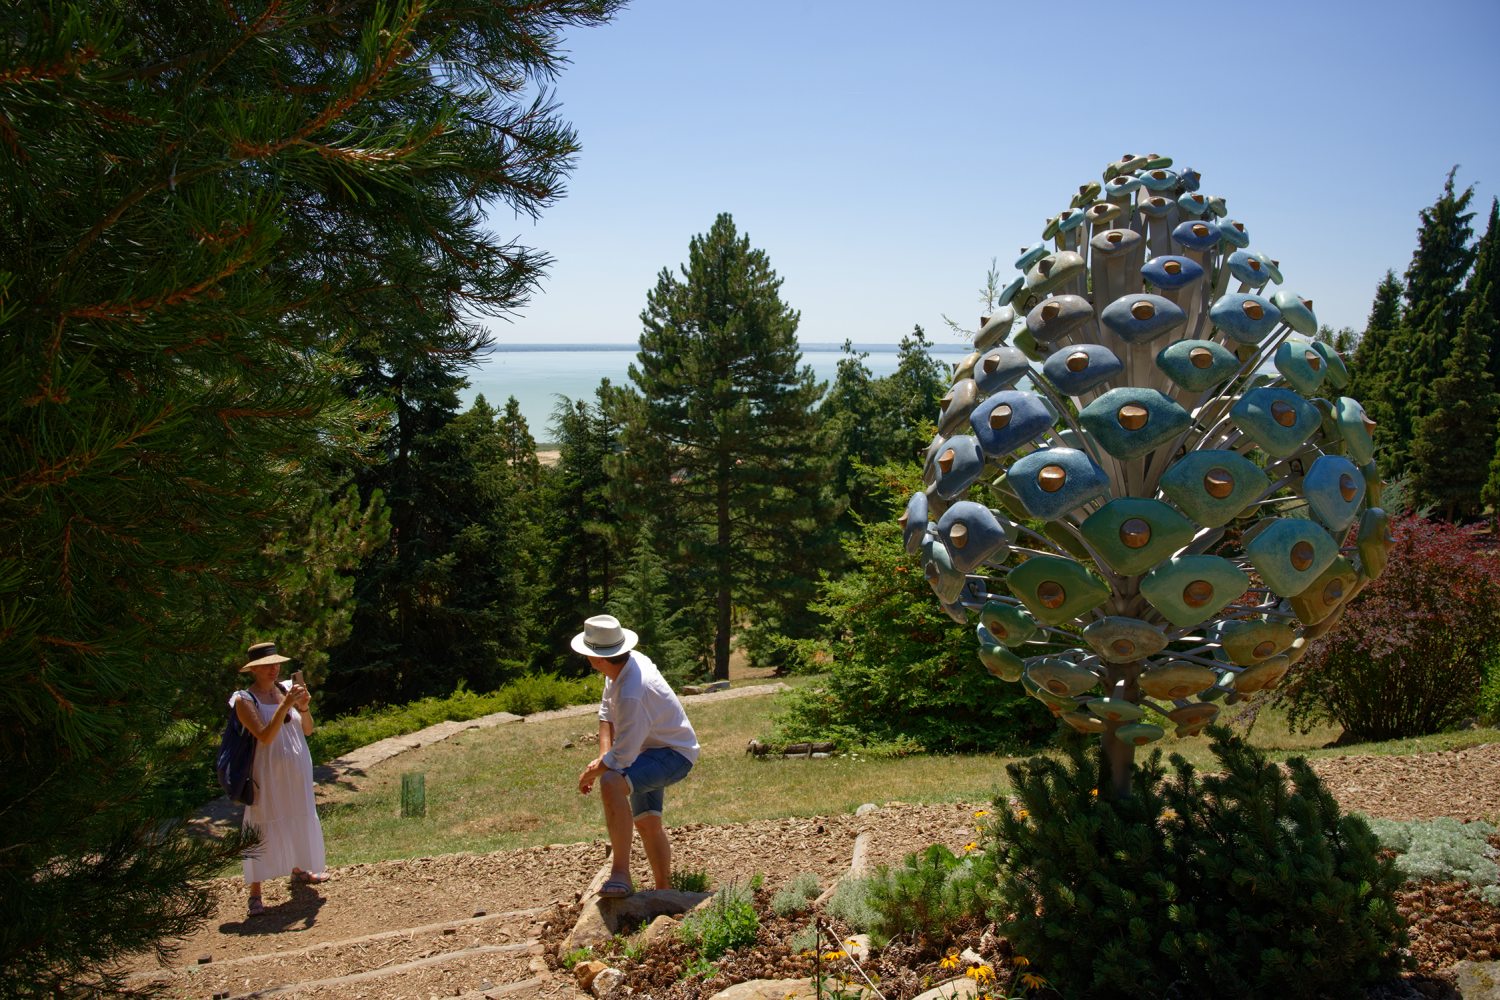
{"x":1181,"y":498}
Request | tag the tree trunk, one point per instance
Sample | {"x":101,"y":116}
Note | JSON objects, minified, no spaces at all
{"x":725,"y":584}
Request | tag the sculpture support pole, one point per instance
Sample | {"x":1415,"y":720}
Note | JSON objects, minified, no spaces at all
{"x":1116,"y":757}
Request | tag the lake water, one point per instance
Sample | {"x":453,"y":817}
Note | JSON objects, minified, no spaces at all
{"x":537,"y":375}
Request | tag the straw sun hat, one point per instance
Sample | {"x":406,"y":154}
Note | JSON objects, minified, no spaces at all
{"x":603,"y":636}
{"x":262,"y":654}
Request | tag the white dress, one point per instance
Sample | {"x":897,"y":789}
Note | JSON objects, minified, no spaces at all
{"x":284,"y":811}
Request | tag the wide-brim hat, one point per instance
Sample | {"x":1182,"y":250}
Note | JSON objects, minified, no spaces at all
{"x":602,"y":635}
{"x":262,"y":654}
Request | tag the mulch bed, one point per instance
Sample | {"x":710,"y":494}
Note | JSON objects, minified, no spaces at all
{"x":1446,"y":921}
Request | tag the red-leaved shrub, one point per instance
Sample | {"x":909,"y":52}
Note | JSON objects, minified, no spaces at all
{"x":1409,"y":655}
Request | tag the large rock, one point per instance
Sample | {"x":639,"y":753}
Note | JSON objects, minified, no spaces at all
{"x":780,"y":989}
{"x":602,"y":919}
{"x":1478,"y":980}
{"x":962,"y":988}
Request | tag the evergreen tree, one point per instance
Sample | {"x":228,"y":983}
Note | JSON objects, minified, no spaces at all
{"x":1484,"y":282}
{"x":580,"y":525}
{"x":1376,"y":363}
{"x":309,"y":604}
{"x":203,"y":212}
{"x":907,"y":399}
{"x":1434,"y":305}
{"x":643,"y":602}
{"x":447,"y":598}
{"x":1456,"y":439}
{"x":721,"y":433}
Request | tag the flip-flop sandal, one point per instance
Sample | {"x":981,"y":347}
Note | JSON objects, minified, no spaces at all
{"x":256,"y":906}
{"x":308,"y":878}
{"x":614,"y":889}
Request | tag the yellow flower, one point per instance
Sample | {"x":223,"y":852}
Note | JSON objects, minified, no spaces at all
{"x":1022,"y":813}
{"x":1169,"y":813}
{"x":1094,"y":792}
{"x":951,"y":962}
{"x":1020,"y":961}
{"x":970,"y":846}
{"x":981,"y":974}
{"x":982,"y":812}
{"x":830,"y":956}
{"x":1032,"y":981}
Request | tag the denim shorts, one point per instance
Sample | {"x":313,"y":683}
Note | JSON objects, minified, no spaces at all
{"x":650,"y":772}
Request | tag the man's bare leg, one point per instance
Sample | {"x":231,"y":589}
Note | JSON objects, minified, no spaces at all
{"x":658,"y":848}
{"x":615,"y":795}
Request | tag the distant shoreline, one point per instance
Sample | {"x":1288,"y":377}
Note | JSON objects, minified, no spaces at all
{"x":941,"y":347}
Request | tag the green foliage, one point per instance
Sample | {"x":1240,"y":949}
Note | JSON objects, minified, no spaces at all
{"x":447,"y":598}
{"x":217,"y":228}
{"x":899,"y":669}
{"x":698,"y":965}
{"x":643,"y":600}
{"x":576,"y":956}
{"x":797,"y":895}
{"x":536,"y":693}
{"x":721,"y":436}
{"x":1455,"y":439}
{"x":1228,"y":885}
{"x":929,"y":892}
{"x":728,"y":921}
{"x":851,"y":903}
{"x":1489,"y":692}
{"x":1408,"y":657}
{"x":583,"y":526}
{"x":1443,"y":850}
{"x":695,"y":880}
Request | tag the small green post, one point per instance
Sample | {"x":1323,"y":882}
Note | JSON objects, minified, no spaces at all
{"x":413,"y":794}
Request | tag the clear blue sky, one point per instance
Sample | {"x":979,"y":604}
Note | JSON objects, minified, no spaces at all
{"x":882,"y":153}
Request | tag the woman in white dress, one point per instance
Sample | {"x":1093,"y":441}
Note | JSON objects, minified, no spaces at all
{"x":280,"y":718}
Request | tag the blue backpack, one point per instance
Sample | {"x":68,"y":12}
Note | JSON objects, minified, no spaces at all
{"x":236,"y":759}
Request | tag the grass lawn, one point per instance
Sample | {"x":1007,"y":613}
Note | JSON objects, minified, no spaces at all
{"x":516,"y":785}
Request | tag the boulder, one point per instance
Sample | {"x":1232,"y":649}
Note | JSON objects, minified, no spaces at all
{"x":602,"y":919}
{"x":962,"y":988}
{"x":659,"y":929}
{"x":782,"y":989}
{"x":585,"y":973}
{"x":605,"y":982}
{"x":1477,"y":980}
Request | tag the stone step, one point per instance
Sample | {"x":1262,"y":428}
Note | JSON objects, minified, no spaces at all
{"x":495,"y":948}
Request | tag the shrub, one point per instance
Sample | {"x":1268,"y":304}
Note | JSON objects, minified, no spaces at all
{"x":1489,"y":693}
{"x":850,"y":903}
{"x":536,"y":693}
{"x":728,"y":921}
{"x":1226,"y":885}
{"x":797,"y":896}
{"x":690,"y":881}
{"x":899,"y":668}
{"x":1408,"y":657}
{"x":928,"y":893}
{"x":1444,"y":849}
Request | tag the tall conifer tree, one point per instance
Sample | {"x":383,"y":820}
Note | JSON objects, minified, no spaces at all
{"x":1456,"y":439}
{"x":1434,"y":304}
{"x":1377,"y":362}
{"x":722,"y":437}
{"x":1484,"y":282}
{"x":203,"y":209}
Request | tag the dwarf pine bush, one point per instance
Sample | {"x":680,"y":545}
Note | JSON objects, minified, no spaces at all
{"x":1443,"y":850}
{"x":1232,"y":885}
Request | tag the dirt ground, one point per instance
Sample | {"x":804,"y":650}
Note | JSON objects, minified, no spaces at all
{"x":471,"y":924}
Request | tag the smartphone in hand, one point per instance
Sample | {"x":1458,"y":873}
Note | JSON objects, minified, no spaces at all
{"x":297,"y":678}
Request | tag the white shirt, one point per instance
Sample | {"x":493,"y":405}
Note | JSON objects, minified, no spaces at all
{"x":645,"y":713}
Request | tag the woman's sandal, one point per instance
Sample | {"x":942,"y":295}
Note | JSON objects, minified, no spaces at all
{"x":256,"y":906}
{"x":308,"y":878}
